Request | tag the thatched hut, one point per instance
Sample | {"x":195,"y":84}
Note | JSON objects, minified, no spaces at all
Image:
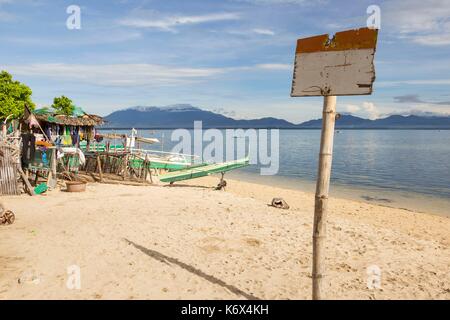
{"x":87,"y":120}
{"x":44,"y":130}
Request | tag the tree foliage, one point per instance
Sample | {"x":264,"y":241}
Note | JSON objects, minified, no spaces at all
{"x":13,"y":96}
{"x":63,"y":105}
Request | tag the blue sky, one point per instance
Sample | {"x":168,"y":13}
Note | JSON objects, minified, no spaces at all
{"x":232,"y":56}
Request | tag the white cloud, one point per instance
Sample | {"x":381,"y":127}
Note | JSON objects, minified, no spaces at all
{"x":422,"y":22}
{"x":433,"y":39}
{"x":367,"y":110}
{"x":125,"y":75}
{"x":426,"y":82}
{"x":91,"y":38}
{"x":169,"y":23}
{"x":115,"y":74}
{"x":273,"y":2}
{"x":4,"y":15}
{"x":351,"y":108}
{"x":265,"y":32}
{"x":371,"y":110}
{"x":274,"y":66}
{"x":425,"y":113}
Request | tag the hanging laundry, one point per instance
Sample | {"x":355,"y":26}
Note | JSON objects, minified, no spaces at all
{"x":28,"y":148}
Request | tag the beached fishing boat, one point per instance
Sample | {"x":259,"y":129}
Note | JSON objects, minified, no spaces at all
{"x":203,"y":170}
{"x":181,"y":166}
{"x":147,"y":140}
{"x":160,"y":160}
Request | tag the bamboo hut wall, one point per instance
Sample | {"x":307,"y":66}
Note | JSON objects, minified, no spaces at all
{"x":8,"y":172}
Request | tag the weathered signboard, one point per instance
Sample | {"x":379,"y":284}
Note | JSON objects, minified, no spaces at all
{"x":333,"y":67}
{"x":342,"y":65}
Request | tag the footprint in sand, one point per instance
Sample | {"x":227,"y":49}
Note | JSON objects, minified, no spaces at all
{"x":211,"y":244}
{"x":253,"y":242}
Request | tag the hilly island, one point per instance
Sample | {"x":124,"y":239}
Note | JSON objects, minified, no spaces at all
{"x":184,"y":115}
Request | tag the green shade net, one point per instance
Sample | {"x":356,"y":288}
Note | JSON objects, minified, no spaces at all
{"x":42,"y":111}
{"x":51,"y":119}
{"x":78,"y":112}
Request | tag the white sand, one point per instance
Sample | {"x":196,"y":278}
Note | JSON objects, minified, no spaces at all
{"x":195,"y":243}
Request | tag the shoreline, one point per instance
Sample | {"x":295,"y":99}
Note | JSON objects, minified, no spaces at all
{"x":306,"y":203}
{"x":191,"y":242}
{"x":396,"y":199}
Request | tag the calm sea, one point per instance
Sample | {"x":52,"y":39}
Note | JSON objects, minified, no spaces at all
{"x":399,"y":168}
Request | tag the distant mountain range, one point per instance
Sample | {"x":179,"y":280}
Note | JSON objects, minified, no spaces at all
{"x":184,"y":115}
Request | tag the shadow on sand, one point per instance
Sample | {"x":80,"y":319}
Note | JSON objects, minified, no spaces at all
{"x":169,"y":260}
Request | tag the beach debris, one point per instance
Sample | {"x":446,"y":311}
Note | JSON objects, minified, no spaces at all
{"x":221,"y":186}
{"x":28,"y":277}
{"x":6,"y":216}
{"x":40,"y":189}
{"x":75,"y":186}
{"x":222,"y":183}
{"x":279,"y":203}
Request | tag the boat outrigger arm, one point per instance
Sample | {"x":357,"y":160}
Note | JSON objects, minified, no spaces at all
{"x":203,"y":171}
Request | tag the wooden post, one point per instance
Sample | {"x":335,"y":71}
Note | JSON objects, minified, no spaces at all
{"x":52,"y":176}
{"x":150,"y":171}
{"x":321,"y":200}
{"x":125,"y":167}
{"x":99,"y":167}
{"x":145,"y":168}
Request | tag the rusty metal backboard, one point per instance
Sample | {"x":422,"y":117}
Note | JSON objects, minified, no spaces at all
{"x":342,"y":65}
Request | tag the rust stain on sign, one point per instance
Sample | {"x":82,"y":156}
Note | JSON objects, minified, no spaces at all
{"x":346,"y":40}
{"x":341,"y":65}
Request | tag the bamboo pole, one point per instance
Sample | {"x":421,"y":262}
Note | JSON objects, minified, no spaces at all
{"x":321,"y":199}
{"x":125,"y":167}
{"x":99,"y":167}
{"x":52,"y":176}
{"x":145,"y":168}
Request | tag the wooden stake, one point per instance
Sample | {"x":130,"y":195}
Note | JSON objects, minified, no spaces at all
{"x":321,"y":201}
{"x":125,"y":167}
{"x":99,"y":167}
{"x":27,"y":183}
{"x":52,"y":176}
{"x":145,"y":167}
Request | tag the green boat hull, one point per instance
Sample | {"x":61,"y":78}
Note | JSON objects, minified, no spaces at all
{"x":203,"y":171}
{"x":159,"y":164}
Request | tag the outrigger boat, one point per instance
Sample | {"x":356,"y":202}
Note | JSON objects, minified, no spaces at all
{"x":169,"y":167}
{"x":147,"y":140}
{"x":160,"y":160}
{"x":203,"y":170}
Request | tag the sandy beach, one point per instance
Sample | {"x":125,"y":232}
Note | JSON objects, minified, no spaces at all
{"x":191,"y":242}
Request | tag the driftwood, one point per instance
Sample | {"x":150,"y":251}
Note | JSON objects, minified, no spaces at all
{"x":27,"y":183}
